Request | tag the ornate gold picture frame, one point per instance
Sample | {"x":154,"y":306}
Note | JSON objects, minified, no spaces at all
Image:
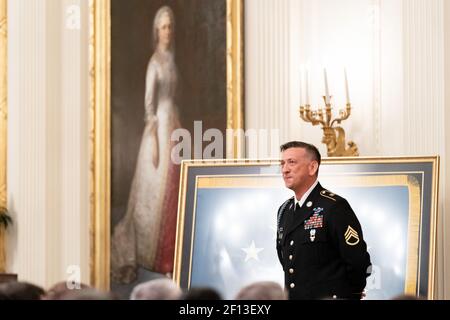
{"x":100,"y":120}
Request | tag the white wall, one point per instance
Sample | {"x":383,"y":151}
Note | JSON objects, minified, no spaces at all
{"x":363,"y":36}
{"x":444,"y":220}
{"x":394,"y":52}
{"x":47,"y":139}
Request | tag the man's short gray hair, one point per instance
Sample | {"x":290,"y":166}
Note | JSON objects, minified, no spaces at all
{"x":156,"y":289}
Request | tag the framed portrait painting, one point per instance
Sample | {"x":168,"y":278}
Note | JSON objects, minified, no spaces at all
{"x":228,"y":210}
{"x":158,"y":68}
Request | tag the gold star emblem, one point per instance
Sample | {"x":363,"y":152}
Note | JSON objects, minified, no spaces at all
{"x":351,"y":237}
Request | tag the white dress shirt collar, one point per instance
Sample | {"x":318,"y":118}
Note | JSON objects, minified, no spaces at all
{"x":305,"y":195}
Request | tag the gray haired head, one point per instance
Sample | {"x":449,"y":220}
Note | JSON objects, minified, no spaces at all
{"x":262,"y":290}
{"x":165,"y":10}
{"x":156,"y":289}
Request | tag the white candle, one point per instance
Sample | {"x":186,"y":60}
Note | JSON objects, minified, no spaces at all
{"x":307,"y":86}
{"x":327,"y":93}
{"x":300,"y":85}
{"x":346,"y":87}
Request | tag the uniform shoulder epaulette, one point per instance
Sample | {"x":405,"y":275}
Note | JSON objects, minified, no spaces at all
{"x":329,"y":195}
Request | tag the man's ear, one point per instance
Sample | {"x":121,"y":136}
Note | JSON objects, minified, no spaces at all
{"x":313,"y":167}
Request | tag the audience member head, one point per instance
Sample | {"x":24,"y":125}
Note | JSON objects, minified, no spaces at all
{"x":156,"y":289}
{"x":62,"y":288}
{"x":263,"y":290}
{"x":17,"y":290}
{"x":86,"y":294}
{"x":201,"y":293}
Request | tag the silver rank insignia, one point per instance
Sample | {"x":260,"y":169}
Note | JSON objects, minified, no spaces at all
{"x":309,"y":204}
{"x":351,"y":236}
{"x":312,"y":235}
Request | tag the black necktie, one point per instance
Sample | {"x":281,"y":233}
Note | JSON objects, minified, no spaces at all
{"x":297,"y":206}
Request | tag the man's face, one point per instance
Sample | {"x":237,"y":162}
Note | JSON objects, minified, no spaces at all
{"x":297,"y":168}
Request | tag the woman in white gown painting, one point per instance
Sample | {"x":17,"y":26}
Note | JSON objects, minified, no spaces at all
{"x":145,"y":237}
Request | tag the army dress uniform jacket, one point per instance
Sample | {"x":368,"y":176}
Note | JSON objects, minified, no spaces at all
{"x":321,"y":248}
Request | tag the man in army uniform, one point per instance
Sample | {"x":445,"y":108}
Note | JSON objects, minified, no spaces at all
{"x":319,"y":239}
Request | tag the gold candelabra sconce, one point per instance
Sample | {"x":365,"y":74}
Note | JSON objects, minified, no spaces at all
{"x":333,"y":134}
